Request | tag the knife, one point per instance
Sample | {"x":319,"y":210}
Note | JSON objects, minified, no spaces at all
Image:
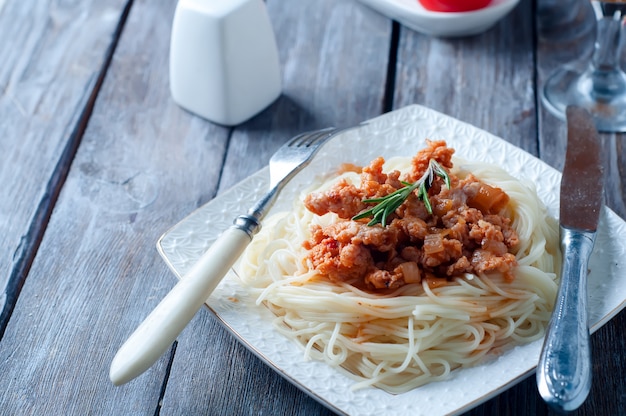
{"x":564,"y":368}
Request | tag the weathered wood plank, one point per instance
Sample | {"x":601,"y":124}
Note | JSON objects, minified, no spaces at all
{"x":97,"y":273}
{"x":557,"y":48}
{"x":486,"y":80}
{"x":144,"y":164}
{"x":46,"y":83}
{"x":332,"y":75}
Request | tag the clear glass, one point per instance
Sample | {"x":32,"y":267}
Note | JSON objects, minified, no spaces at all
{"x":601,"y":87}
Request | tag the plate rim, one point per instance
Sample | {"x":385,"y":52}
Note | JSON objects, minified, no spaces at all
{"x":262,"y":173}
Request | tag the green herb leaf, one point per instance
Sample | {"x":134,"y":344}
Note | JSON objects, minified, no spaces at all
{"x":388,"y":204}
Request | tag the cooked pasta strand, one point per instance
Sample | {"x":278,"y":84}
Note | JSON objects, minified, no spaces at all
{"x":415,"y":335}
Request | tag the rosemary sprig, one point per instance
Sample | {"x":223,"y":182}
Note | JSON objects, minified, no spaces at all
{"x":386,"y":205}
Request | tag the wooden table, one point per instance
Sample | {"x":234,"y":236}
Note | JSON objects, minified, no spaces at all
{"x":97,"y":162}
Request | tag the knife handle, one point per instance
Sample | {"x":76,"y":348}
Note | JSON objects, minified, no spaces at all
{"x":159,"y":330}
{"x":564,"y":368}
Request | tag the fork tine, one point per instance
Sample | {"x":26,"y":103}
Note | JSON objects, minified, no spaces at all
{"x":320,"y":138}
{"x":307,"y":139}
{"x":295,"y":141}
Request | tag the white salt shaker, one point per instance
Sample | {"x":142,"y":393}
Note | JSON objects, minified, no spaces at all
{"x":224,"y":63}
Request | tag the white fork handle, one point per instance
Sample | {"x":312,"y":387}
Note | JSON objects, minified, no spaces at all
{"x":159,"y":330}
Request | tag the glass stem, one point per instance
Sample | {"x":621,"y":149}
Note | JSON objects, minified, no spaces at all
{"x":608,"y":78}
{"x":608,"y":43}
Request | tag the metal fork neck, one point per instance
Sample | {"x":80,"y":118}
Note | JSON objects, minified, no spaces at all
{"x":247,"y":223}
{"x":259,"y":210}
{"x":251,"y":222}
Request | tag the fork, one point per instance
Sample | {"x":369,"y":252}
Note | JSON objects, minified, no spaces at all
{"x":159,"y":330}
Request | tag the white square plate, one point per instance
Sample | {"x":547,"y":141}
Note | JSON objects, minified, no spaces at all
{"x":403,"y":129}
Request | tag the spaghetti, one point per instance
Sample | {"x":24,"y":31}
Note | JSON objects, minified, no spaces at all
{"x":416,"y":332}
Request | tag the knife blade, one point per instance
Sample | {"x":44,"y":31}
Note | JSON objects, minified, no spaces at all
{"x":564,"y":368}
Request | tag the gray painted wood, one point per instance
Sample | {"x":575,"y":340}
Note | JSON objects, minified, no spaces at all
{"x":486,"y":80}
{"x":52,"y":55}
{"x":97,"y":273}
{"x":143,"y":164}
{"x":331,"y":77}
{"x":573,"y":47}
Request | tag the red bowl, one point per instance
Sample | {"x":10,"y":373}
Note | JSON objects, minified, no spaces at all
{"x":454,"y":5}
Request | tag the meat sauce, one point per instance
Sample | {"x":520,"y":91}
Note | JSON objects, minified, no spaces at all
{"x":467,"y":232}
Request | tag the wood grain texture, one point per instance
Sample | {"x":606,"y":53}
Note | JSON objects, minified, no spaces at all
{"x":485,"y":80}
{"x":144,"y":163}
{"x":52,"y":56}
{"x":488,"y":81}
{"x":332,"y":75}
{"x":573,"y":45}
{"x":97,"y":273}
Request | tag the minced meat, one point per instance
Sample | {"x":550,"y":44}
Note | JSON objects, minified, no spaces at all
{"x":467,"y":232}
